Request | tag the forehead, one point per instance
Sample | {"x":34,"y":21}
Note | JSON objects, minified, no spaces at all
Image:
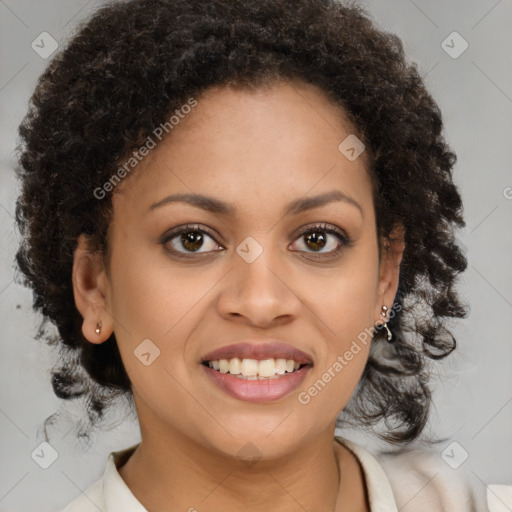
{"x":249,"y":146}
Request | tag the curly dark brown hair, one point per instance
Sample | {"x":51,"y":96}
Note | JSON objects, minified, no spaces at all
{"x":132,"y":63}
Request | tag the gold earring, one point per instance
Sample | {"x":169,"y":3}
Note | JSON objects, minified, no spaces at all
{"x":385,"y":324}
{"x":98,"y":327}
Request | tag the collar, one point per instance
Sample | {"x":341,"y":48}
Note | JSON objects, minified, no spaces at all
{"x":118,"y":495}
{"x":380,"y":493}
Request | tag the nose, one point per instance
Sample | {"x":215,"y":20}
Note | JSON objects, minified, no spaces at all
{"x":260,"y":293}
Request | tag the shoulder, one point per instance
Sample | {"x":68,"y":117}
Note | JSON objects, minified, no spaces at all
{"x":418,"y":479}
{"x":91,"y":500}
{"x":422,"y":481}
{"x":110,"y":493}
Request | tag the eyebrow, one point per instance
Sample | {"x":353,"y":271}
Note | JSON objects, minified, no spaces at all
{"x":216,"y":206}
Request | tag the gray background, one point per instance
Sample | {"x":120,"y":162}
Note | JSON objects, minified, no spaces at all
{"x":474,"y":390}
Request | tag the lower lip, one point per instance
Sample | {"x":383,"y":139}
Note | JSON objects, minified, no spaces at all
{"x":265,"y":390}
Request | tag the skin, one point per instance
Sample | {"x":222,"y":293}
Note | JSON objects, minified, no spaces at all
{"x":259,"y":151}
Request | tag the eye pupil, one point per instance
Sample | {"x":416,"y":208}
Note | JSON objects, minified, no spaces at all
{"x":316,"y":240}
{"x":190,"y":239}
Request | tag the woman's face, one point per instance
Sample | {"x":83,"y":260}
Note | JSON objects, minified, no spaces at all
{"x":251,"y":278}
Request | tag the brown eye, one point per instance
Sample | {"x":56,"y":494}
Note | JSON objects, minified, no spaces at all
{"x":190,"y":239}
{"x":317,"y":238}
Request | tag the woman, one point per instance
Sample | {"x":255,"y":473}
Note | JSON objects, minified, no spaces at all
{"x":241,"y":215}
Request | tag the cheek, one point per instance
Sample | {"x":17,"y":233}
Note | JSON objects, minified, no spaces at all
{"x":151,"y":298}
{"x":152,"y":301}
{"x":341,"y":359}
{"x":157,"y":301}
{"x":345,"y":305}
{"x":345,"y":298}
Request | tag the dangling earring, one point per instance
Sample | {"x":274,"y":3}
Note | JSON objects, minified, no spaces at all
{"x":98,"y":327}
{"x":385,"y":324}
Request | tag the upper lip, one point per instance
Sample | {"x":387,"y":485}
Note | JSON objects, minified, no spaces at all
{"x":259,"y":349}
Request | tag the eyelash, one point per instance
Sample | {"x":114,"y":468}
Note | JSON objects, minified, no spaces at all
{"x":344,"y":240}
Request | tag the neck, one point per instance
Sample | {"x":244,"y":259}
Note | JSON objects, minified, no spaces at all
{"x":175,"y":473}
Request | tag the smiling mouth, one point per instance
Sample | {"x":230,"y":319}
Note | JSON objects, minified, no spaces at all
{"x":254,"y":369}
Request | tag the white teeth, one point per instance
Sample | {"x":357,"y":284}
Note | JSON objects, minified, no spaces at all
{"x":280,"y":366}
{"x":235,"y":366}
{"x":224,"y":366}
{"x":252,"y":369}
{"x":249,"y":367}
{"x":266,"y":368}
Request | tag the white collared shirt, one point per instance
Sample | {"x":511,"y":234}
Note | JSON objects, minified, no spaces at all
{"x":414,"y":481}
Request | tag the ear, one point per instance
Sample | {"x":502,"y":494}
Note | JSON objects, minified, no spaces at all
{"x":90,"y":287}
{"x":392,"y":253}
